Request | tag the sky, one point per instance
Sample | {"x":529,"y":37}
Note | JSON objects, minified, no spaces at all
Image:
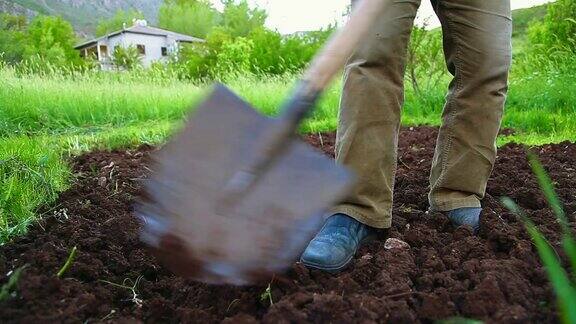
{"x":289,"y":16}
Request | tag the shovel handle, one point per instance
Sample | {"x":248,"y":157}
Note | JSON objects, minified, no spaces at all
{"x":321,"y":71}
{"x":342,"y":44}
{"x":330,"y":60}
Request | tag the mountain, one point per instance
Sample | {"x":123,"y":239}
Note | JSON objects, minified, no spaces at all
{"x":83,"y":14}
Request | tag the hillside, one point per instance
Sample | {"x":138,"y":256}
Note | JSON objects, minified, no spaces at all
{"x":523,"y":17}
{"x":83,"y":14}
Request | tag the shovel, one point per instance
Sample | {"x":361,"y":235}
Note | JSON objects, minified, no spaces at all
{"x":235,"y":196}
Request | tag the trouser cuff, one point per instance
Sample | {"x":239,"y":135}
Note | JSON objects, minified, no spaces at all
{"x":447,"y":205}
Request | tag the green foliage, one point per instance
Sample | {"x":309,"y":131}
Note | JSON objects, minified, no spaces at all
{"x":30,"y":175}
{"x":558,"y":29}
{"x":522,"y":18}
{"x":7,"y":289}
{"x":563,"y":284}
{"x":236,"y":41}
{"x":425,"y":61}
{"x":126,"y":57}
{"x":266,"y":295}
{"x":191,"y":17}
{"x":239,"y":19}
{"x":261,"y":52}
{"x":52,"y":39}
{"x":264,"y":55}
{"x":297,"y":50}
{"x":234,"y":56}
{"x":118,"y":21}
{"x":68,"y":263}
{"x":12,"y":37}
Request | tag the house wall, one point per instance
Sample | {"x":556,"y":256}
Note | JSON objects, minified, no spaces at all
{"x":153,"y":45}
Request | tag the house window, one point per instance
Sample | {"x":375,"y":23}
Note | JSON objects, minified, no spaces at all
{"x":164,"y":51}
{"x":104,"y":51}
{"x":141,"y":49}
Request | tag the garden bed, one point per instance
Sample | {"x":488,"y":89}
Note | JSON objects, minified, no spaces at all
{"x":446,"y":271}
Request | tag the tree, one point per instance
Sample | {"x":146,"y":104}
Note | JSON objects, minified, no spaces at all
{"x":558,"y":28}
{"x":240,"y":19}
{"x":191,"y":17}
{"x":52,"y":39}
{"x":115,"y":23}
{"x":425,"y":64}
{"x":12,"y":37}
{"x":242,"y":43}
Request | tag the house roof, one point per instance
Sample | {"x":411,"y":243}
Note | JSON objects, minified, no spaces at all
{"x":146,"y":30}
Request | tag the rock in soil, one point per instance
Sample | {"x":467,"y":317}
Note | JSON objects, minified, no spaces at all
{"x":394,"y":243}
{"x":446,"y":272}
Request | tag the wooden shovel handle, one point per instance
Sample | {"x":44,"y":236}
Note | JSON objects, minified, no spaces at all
{"x":326,"y":64}
{"x":342,"y":44}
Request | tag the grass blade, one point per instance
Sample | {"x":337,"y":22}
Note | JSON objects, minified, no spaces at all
{"x":565,"y":291}
{"x":7,"y":288}
{"x":568,"y":242}
{"x":564,"y":288}
{"x":68,"y":263}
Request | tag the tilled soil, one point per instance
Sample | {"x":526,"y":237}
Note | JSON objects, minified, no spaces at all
{"x":445,"y":271}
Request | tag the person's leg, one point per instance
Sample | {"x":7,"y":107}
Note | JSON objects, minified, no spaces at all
{"x":370,"y":108}
{"x":477,"y":46}
{"x":367,"y":138}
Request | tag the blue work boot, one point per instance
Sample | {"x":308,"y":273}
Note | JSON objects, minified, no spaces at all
{"x":466,"y":216}
{"x":335,"y":245}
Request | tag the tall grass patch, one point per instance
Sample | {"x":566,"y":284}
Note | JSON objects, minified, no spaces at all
{"x":31,"y":174}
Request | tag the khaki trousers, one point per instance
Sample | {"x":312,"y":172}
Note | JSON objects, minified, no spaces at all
{"x":476,"y":40}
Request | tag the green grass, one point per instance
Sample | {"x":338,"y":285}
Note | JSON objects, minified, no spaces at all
{"x":31,"y":174}
{"x":33,"y":170}
{"x":36,"y":105}
{"x":58,"y":104}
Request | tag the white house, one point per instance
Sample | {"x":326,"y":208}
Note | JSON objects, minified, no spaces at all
{"x":154,"y":44}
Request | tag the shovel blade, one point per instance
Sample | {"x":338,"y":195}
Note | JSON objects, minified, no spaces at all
{"x":263,"y":233}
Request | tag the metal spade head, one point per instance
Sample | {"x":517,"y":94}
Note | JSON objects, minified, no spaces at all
{"x":264,"y":232}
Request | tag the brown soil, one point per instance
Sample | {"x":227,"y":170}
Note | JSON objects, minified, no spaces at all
{"x":446,"y":271}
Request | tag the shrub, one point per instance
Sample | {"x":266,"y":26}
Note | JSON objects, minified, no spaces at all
{"x":126,"y":57}
{"x":195,"y":18}
{"x":552,"y":42}
{"x":52,"y":39}
{"x":425,"y":64}
{"x":234,"y":56}
{"x":12,"y":37}
{"x":558,"y":28}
